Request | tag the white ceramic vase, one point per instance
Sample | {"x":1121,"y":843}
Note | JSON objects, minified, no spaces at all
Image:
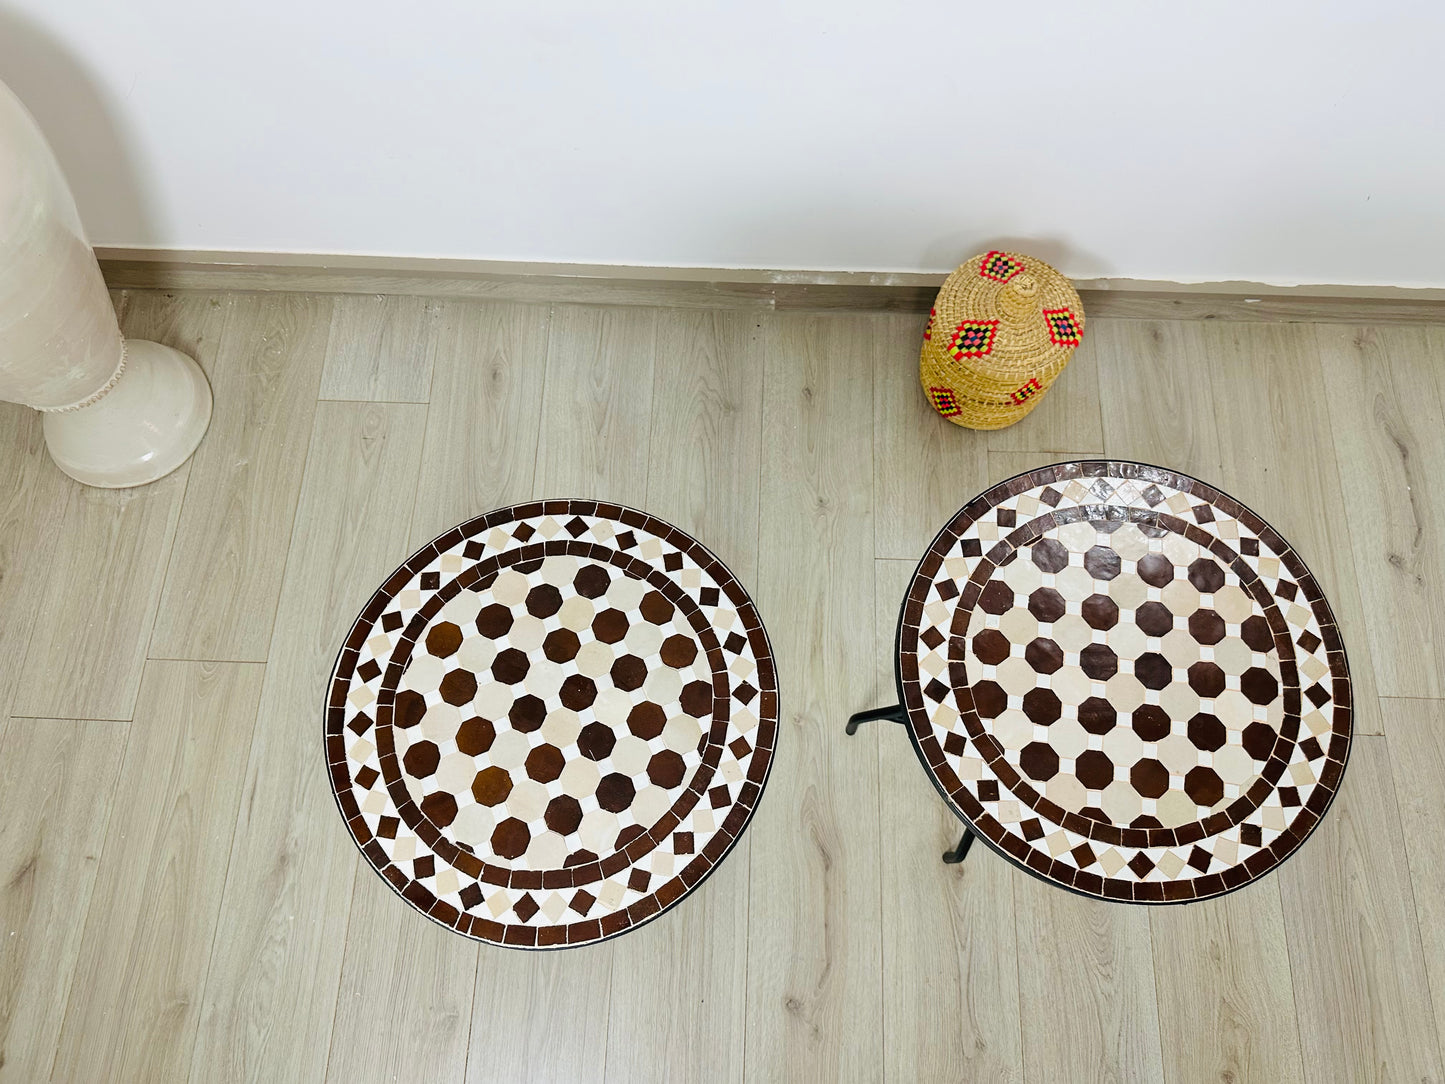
{"x":118,"y":412}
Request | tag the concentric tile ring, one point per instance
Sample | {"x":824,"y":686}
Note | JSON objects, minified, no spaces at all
{"x":1245,"y":792}
{"x":1126,"y":681}
{"x":478,"y":580}
{"x":552,"y":722}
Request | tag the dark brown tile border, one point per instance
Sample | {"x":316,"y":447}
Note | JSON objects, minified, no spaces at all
{"x":967,"y":807}
{"x":760,"y":694}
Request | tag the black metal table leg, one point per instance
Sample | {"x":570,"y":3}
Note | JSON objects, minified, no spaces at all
{"x":894,"y":714}
{"x":961,"y":851}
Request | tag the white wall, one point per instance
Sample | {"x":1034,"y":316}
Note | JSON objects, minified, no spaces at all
{"x":1264,"y":141}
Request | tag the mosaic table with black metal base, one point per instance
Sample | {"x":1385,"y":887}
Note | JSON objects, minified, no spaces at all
{"x":1124,"y":681}
{"x":552,"y":723}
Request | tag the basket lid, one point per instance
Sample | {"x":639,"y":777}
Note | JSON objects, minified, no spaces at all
{"x":1007,"y":310}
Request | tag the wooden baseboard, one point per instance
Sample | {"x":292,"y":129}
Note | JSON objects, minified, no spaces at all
{"x":691,"y":287}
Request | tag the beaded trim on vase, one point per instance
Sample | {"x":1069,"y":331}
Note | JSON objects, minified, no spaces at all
{"x":98,"y":395}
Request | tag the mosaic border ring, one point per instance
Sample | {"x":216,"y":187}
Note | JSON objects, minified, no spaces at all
{"x":1125,"y":681}
{"x":552,"y":723}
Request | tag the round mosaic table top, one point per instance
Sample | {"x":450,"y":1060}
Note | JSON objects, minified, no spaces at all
{"x":1125,"y":681}
{"x":551,"y":723}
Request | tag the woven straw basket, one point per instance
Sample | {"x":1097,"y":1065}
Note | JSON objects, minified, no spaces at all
{"x":1003,"y":328}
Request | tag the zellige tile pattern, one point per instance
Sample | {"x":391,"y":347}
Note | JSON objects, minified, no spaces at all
{"x":552,"y":723}
{"x":1126,"y":681}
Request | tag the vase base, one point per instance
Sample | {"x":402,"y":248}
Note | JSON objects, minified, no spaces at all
{"x":142,"y":429}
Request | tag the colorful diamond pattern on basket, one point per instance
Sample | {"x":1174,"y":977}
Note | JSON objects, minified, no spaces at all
{"x":943,"y":401}
{"x":1000,"y":266}
{"x":973,"y":339}
{"x":1027,"y":391}
{"x":928,"y":329}
{"x":1064,"y":327}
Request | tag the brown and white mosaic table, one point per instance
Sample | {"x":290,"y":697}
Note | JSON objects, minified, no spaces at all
{"x":552,"y":723}
{"x":1125,"y":681}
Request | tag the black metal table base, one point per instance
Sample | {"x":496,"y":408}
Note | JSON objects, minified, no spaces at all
{"x":959,"y":853}
{"x":896,"y":714}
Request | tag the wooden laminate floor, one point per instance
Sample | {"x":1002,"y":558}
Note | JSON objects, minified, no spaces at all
{"x":180,"y":900}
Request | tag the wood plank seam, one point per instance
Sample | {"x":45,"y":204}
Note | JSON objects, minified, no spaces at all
{"x":411,"y":532}
{"x":1348,"y":562}
{"x":286,"y":561}
{"x":296,"y":497}
{"x":180,"y":509}
{"x":877,"y":738}
{"x":336,"y":1002}
{"x":1414,"y":896}
{"x":104,"y":833}
{"x":1420,"y":867}
{"x":1289,"y":960}
{"x":541,"y":397}
{"x":204,"y":974}
{"x":71,"y":495}
{"x":376,"y":402}
{"x":1378,"y":1029}
{"x":757,"y":574}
